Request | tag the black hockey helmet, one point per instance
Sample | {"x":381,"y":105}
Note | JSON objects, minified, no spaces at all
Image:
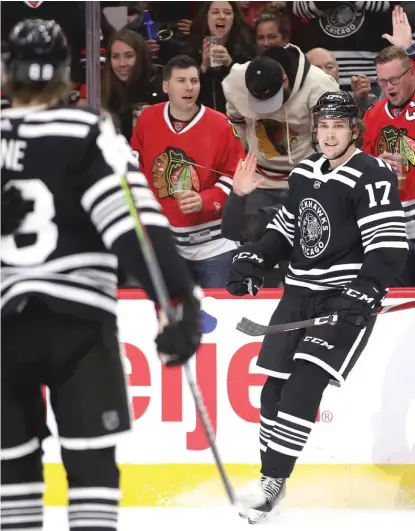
{"x":37,"y":52}
{"x":332,"y":105}
{"x":339,"y":104}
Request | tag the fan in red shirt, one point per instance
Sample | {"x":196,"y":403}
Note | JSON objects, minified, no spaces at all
{"x":390,"y":130}
{"x":189,"y":154}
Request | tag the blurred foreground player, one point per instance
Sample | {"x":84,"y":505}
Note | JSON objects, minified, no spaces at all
{"x":65,"y":229}
{"x":343,"y":232}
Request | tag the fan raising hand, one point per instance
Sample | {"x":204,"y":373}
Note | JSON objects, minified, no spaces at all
{"x":245,"y":180}
{"x":401,"y":29}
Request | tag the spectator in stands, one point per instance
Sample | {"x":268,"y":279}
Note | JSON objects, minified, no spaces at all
{"x":225,"y":21}
{"x":251,"y":10}
{"x":390,"y":135}
{"x":130,"y":81}
{"x":164,"y":25}
{"x":351,"y":30}
{"x":269,"y":101}
{"x":189,"y":154}
{"x":272,"y":28}
{"x":361,"y":88}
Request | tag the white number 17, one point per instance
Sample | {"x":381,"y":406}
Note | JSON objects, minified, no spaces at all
{"x":385,"y":199}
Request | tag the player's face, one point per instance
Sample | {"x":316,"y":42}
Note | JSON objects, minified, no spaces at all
{"x":183,"y":88}
{"x":397,"y":81}
{"x":123,"y":59}
{"x":220,"y":19}
{"x":268,"y":35}
{"x":333,"y":136}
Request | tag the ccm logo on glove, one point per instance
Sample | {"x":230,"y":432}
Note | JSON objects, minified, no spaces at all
{"x":249,"y":256}
{"x":358,"y":295}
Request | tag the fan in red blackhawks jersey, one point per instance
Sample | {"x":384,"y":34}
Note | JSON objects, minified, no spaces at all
{"x":390,"y":130}
{"x":189,"y":154}
{"x":65,"y":229}
{"x":343,"y":232}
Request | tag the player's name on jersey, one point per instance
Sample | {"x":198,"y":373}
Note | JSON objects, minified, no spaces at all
{"x":12,"y":154}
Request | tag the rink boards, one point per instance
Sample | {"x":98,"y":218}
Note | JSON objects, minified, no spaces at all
{"x":360,"y":454}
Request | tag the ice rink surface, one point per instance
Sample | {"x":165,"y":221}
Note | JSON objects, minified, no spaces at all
{"x":198,"y":519}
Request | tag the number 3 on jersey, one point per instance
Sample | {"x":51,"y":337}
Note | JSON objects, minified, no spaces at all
{"x":37,"y":223}
{"x":385,"y":197}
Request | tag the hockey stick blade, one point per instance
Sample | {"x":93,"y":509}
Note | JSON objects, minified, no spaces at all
{"x":251,"y":328}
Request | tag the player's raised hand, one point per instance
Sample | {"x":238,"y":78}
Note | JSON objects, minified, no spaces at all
{"x":245,"y":181}
{"x":401,"y":29}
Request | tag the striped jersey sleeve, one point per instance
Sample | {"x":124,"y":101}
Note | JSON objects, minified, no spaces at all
{"x":104,"y":200}
{"x":284,"y":222}
{"x":381,"y":221}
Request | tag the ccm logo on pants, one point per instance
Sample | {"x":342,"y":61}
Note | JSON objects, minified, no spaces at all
{"x":318,"y":341}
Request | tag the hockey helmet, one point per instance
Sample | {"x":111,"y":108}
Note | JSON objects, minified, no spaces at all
{"x":37,"y":52}
{"x":339,"y":104}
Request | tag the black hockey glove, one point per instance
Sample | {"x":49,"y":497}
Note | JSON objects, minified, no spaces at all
{"x":358,"y":302}
{"x":180,"y":338}
{"x":13,"y":210}
{"x":246,"y":275}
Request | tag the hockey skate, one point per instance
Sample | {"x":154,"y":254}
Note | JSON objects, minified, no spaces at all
{"x":274,"y":491}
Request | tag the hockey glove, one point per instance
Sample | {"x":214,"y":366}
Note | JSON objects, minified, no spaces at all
{"x":246,"y":275}
{"x":13,"y":210}
{"x":179,"y":339}
{"x":358,"y":302}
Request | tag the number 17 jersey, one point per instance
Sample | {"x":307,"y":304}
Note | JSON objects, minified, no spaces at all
{"x":341,"y":224}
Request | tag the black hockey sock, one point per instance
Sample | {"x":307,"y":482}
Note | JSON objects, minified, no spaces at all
{"x":270,"y":399}
{"x":21,"y":493}
{"x":93,"y":480}
{"x":300,"y":400}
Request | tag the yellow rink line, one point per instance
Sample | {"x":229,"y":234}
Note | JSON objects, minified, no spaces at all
{"x":320,"y":486}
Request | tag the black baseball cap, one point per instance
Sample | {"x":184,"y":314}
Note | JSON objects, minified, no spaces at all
{"x":264,"y":80}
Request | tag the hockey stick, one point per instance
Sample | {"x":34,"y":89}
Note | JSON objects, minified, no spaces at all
{"x":162,"y":295}
{"x":250,"y":328}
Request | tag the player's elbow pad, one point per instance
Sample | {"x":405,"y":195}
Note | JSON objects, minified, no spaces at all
{"x":173,"y":269}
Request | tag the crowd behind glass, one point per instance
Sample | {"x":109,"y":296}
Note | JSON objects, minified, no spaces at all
{"x":219,"y":35}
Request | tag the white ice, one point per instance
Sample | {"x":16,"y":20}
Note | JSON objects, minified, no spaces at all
{"x":163,"y":519}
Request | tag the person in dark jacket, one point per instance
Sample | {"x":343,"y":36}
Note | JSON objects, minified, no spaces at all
{"x":225,"y":21}
{"x":130,"y":81}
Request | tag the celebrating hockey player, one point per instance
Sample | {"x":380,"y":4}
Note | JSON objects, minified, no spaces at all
{"x":65,"y":228}
{"x":343,"y":231}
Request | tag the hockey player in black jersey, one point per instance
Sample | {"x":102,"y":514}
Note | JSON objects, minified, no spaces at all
{"x":66,"y":228}
{"x":343,"y":231}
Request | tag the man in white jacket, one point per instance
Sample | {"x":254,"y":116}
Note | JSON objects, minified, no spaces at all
{"x":269,"y":102}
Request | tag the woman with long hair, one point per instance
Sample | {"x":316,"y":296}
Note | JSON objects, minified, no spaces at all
{"x":224,"y":22}
{"x":130,"y":81}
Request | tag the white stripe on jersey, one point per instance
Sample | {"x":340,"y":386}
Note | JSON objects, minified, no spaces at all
{"x":387,"y":244}
{"x":151,"y":218}
{"x":74,"y":115}
{"x":116,"y":230}
{"x":55,"y":129}
{"x":397,"y":235}
{"x":322,"y":272}
{"x":380,"y":215}
{"x":282,"y":223}
{"x":391,"y":225}
{"x":101,"y":187}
